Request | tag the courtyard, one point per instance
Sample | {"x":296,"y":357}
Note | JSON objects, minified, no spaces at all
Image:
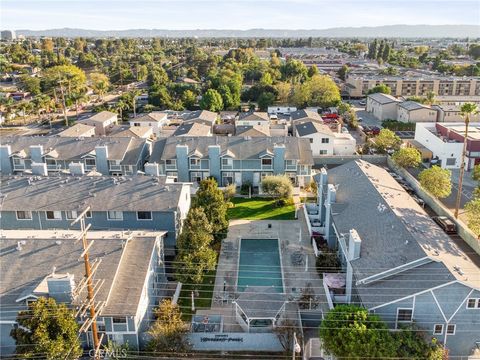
{"x":258,"y":208}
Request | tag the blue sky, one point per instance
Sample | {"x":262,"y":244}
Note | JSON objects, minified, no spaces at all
{"x":232,"y":14}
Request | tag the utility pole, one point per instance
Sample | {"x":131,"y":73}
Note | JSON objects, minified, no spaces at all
{"x":87,"y":282}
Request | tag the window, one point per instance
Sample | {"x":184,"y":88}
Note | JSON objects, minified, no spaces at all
{"x":170,"y":162}
{"x":53,"y":215}
{"x":194,"y":162}
{"x":227,"y":178}
{"x":323,"y":152}
{"x":226,"y":162}
{"x":114,"y":215}
{"x":451,"y":161}
{"x":136,"y":124}
{"x":196,"y":176}
{"x":144,"y":215}
{"x":89,"y":163}
{"x":24,"y":215}
{"x":51,"y":163}
{"x":88,"y":214}
{"x":266,"y":162}
{"x":438,"y":329}
{"x":325,"y":140}
{"x":311,"y":141}
{"x":451,"y":329}
{"x":473,"y":303}
{"x":71,"y":215}
{"x":404,"y":315}
{"x":119,"y":320}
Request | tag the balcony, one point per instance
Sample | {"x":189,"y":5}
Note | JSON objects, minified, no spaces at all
{"x":334,"y":285}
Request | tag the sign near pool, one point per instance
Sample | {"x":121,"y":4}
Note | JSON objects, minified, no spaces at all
{"x":235,"y":341}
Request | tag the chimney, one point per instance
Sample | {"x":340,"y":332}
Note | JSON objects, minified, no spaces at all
{"x":354,"y":245}
{"x":331,"y":195}
{"x":181,"y":151}
{"x":215,"y":161}
{"x":101,"y":153}
{"x":152,"y":169}
{"x":279,"y":158}
{"x":322,"y":181}
{"x":76,"y":168}
{"x":6,"y":167}
{"x":36,"y":153}
{"x":39,"y":169}
{"x":60,"y":287}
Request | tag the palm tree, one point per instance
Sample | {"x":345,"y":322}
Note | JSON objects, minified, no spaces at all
{"x":430,"y":98}
{"x":467,"y":110}
{"x":120,"y":106}
{"x":78,"y":98}
{"x":133,"y":98}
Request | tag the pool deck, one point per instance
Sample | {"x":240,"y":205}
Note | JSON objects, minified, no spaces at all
{"x":295,"y":243}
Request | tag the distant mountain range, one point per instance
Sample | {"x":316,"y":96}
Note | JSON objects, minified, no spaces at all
{"x":397,"y":31}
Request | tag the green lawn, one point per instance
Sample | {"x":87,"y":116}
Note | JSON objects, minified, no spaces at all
{"x":260,"y":209}
{"x":203,"y":301}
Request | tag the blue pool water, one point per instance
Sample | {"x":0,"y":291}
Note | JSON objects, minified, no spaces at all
{"x":259,"y":264}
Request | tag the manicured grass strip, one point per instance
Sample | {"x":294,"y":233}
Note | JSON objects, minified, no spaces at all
{"x":202,"y":301}
{"x":260,"y":209}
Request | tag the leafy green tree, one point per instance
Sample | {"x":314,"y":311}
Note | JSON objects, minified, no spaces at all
{"x":265,"y":100}
{"x":412,"y":343}
{"x":168,"y":334}
{"x":212,"y":101}
{"x":189,"y":99}
{"x":323,"y":91}
{"x":313,"y":70}
{"x":99,"y":83}
{"x":474,"y":51}
{"x":381,"y":88}
{"x":472,"y":211}
{"x":30,"y":84}
{"x":284,"y":90}
{"x":351,"y":332}
{"x":294,"y":71}
{"x":342,"y":72}
{"x":49,"y":329}
{"x":476,"y":173}
{"x":266,"y":79}
{"x":436,"y":181}
{"x":386,"y":140}
{"x":195,"y":255}
{"x":211,"y":199}
{"x":277,"y":186}
{"x":407,"y":157}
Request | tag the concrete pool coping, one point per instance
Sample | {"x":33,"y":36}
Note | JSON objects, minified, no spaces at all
{"x":279,"y":247}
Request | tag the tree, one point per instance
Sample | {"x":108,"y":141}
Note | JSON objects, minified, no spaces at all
{"x":210,"y":198}
{"x":99,"y":83}
{"x":49,"y":329}
{"x":430,"y":98}
{"x":285,"y":331}
{"x":229,"y":192}
{"x":265,"y":100}
{"x":342,"y":72}
{"x":212,"y":100}
{"x":77,"y":98}
{"x":277,"y":186}
{"x":323,"y":91}
{"x":466,"y":110}
{"x":407,"y":157}
{"x":474,"y":51}
{"x":168,"y":334}
{"x":313,"y":70}
{"x":120,"y":106}
{"x":386,"y":140}
{"x":195,"y":255}
{"x":284,"y":90}
{"x":132,"y":99}
{"x":436,"y":181}
{"x":351,"y":332}
{"x":189,"y":99}
{"x":472,"y":211}
{"x":381,"y":88}
{"x":30,"y":84}
{"x":476,"y":173}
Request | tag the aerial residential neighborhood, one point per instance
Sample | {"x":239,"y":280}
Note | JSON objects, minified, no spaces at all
{"x":173,"y":188}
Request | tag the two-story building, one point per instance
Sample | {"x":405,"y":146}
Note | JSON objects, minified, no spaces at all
{"x":382,"y":106}
{"x":129,"y":280}
{"x":445,"y":141}
{"x":231,"y":160}
{"x":155,"y":120}
{"x":136,"y":202}
{"x":396,"y":261}
{"x":413,"y":112}
{"x":42,"y":155}
{"x":102,"y":121}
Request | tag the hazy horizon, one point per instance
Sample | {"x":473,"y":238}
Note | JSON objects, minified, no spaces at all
{"x":232,"y":15}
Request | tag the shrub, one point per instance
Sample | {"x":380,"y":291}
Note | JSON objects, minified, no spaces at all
{"x":277,"y":186}
{"x":407,"y":157}
{"x":327,"y":260}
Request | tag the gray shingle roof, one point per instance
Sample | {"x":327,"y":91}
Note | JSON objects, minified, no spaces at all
{"x":412,"y":105}
{"x":102,"y":116}
{"x":23,"y":270}
{"x":383,"y":98}
{"x":193,"y":129}
{"x":255,"y":116}
{"x":69,"y":148}
{"x":134,"y":193}
{"x":312,"y":127}
{"x":305,"y":114}
{"x":240,"y":147}
{"x":76,"y":130}
{"x":394,"y":229}
{"x":203,"y":116}
{"x":245,"y":130}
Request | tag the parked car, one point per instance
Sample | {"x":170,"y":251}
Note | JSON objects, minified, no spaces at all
{"x":446,"y":224}
{"x":359,"y":119}
{"x":419,"y":200}
{"x":362,"y":103}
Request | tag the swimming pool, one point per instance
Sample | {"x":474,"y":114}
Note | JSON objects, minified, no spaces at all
{"x":259,"y":264}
